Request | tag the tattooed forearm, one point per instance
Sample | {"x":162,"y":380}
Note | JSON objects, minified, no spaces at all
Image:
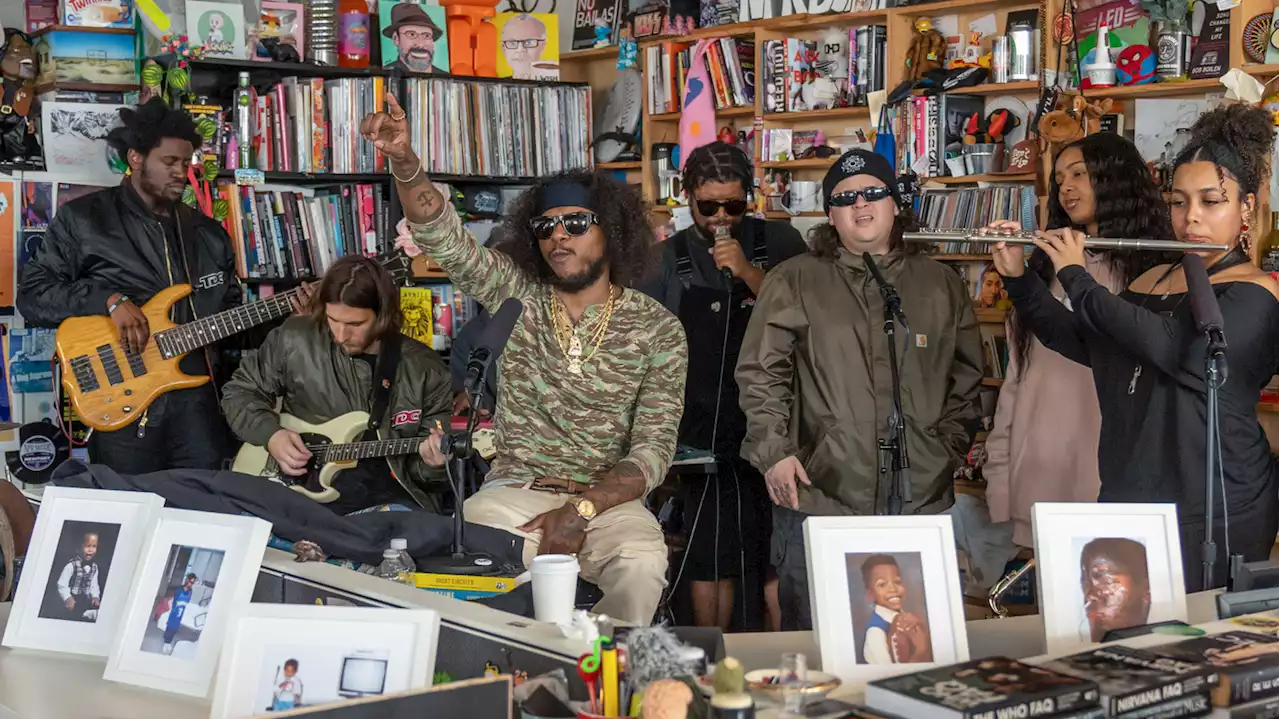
{"x":419,"y":196}
{"x":623,"y":483}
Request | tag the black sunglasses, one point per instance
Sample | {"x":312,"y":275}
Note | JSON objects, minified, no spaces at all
{"x":575,"y":224}
{"x":872,"y":194}
{"x":732,"y":208}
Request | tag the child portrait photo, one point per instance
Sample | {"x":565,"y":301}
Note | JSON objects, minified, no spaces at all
{"x":308,"y":676}
{"x":182,"y":601}
{"x":884,"y":593}
{"x":1105,"y":567}
{"x":528,"y":46}
{"x":82,"y":562}
{"x":887,"y":599}
{"x":413,"y":37}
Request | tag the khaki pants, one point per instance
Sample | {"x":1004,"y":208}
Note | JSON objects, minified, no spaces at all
{"x":624,"y":552}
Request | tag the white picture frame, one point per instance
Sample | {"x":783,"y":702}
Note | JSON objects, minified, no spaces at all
{"x":842,"y":552}
{"x":204,"y":563}
{"x":1063,"y":531}
{"x":329,"y":648}
{"x":120,"y":523}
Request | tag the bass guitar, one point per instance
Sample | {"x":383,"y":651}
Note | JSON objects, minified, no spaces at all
{"x":335,"y":446}
{"x":109,"y":388}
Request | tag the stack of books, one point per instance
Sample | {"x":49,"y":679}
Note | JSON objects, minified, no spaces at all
{"x":730,"y":63}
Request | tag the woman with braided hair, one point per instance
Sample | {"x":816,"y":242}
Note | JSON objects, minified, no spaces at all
{"x":1148,"y":357}
{"x":709,"y":276}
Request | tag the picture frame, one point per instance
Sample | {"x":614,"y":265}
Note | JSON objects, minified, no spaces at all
{"x":406,"y":26}
{"x":284,"y":21}
{"x":219,"y":27}
{"x":119,"y":523}
{"x":1113,"y":539}
{"x":197,"y":572}
{"x":281,"y":658}
{"x":885,"y":595}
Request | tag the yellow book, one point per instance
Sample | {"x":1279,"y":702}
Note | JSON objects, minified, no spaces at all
{"x":416,"y":304}
{"x":497,"y":585}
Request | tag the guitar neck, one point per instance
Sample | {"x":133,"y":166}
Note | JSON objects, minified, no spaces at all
{"x":207,"y":330}
{"x":355,"y":451}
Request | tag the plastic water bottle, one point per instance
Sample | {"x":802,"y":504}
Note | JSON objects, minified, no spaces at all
{"x":402,"y":546}
{"x":391,"y":568}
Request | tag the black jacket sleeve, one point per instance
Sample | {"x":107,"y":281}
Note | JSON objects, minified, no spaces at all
{"x":785,"y":242}
{"x":52,"y":287}
{"x":1053,"y":324}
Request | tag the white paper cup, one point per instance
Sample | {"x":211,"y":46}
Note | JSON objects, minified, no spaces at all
{"x":555,"y":585}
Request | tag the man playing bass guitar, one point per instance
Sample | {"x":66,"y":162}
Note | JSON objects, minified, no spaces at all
{"x":109,"y":252}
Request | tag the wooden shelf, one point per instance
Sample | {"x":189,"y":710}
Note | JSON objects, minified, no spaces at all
{"x":815,"y":164}
{"x":990,"y":316}
{"x":825,"y":20}
{"x":303,"y":69}
{"x":958,"y":257}
{"x":1262,"y":70}
{"x":935,"y":9}
{"x":963,"y":179}
{"x":660,"y":209}
{"x":591,"y":53}
{"x":628,"y":165}
{"x":743,"y":111}
{"x":78,"y":28}
{"x":991,"y":88}
{"x":1158,"y":89}
{"x":832,"y":114}
{"x":782,"y":215}
{"x":992,"y":382}
{"x":88,"y":87}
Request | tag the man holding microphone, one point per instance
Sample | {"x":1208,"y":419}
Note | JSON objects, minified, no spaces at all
{"x":709,"y":275}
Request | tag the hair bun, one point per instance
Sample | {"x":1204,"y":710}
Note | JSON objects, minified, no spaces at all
{"x":1246,"y":128}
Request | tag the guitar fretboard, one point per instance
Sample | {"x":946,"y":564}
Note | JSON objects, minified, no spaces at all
{"x":355,"y":451}
{"x":207,"y":330}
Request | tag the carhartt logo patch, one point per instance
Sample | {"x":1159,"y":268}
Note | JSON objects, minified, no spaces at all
{"x":211,"y":280}
{"x":406,"y":417}
{"x":922,"y":340}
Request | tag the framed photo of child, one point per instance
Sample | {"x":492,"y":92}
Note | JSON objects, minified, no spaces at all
{"x":279,"y":657}
{"x":197,"y":571}
{"x":885,"y":595}
{"x":1101,"y":567}
{"x":84,"y":555}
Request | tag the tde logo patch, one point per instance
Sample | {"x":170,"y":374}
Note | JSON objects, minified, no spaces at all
{"x":406,"y":417}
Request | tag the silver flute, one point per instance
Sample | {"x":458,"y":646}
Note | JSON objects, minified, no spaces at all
{"x":1021,"y":237}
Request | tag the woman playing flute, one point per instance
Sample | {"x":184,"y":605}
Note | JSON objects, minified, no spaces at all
{"x":1100,"y":186}
{"x":1148,"y":357}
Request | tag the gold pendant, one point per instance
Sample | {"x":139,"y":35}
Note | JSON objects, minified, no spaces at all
{"x":575,"y":348}
{"x":575,"y":366}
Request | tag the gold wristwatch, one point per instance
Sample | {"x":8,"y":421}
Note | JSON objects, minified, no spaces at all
{"x":585,"y":507}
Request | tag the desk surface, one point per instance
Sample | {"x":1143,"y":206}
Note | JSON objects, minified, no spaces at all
{"x":42,"y":685}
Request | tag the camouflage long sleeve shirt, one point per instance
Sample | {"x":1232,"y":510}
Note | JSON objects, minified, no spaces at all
{"x":624,"y":407}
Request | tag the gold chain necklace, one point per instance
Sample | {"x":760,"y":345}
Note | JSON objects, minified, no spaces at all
{"x":567,"y":337}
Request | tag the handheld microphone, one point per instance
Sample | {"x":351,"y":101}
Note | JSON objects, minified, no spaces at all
{"x":890,"y":293}
{"x":491,"y":343}
{"x":1205,"y":310}
{"x":722,"y":235}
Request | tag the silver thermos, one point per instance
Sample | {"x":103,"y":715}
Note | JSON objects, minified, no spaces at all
{"x":322,"y":45}
{"x":1023,"y":53}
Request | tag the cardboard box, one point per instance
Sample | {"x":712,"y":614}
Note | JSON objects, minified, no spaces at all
{"x":98,"y":13}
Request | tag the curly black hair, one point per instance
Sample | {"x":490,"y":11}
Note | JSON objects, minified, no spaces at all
{"x":717,"y":162}
{"x":145,"y":126}
{"x":824,"y":240}
{"x":622,"y":216}
{"x":1127,"y":203}
{"x":1237,"y":140}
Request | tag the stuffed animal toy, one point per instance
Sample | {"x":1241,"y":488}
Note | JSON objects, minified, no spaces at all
{"x":18,"y":67}
{"x":927,"y":49}
{"x":1074,"y":118}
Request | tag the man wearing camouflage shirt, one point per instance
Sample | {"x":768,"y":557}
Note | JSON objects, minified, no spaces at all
{"x":592,"y":379}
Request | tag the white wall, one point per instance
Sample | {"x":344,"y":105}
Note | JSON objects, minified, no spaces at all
{"x":12,"y":14}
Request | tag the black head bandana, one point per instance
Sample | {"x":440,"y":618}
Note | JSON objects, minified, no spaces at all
{"x":858,"y":162}
{"x":563,"y":193}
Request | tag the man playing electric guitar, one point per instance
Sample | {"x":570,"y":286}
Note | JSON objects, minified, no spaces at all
{"x":348,"y":356}
{"x":109,"y":252}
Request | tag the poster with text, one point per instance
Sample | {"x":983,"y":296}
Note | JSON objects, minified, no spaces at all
{"x":528,"y":45}
{"x":8,"y":240}
{"x":31,"y":360}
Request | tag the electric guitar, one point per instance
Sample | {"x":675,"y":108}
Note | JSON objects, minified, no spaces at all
{"x":335,"y":446}
{"x":109,"y":388}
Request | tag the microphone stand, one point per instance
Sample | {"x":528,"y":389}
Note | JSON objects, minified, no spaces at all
{"x":893,"y":451}
{"x":458,"y":447}
{"x":1215,"y":372}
